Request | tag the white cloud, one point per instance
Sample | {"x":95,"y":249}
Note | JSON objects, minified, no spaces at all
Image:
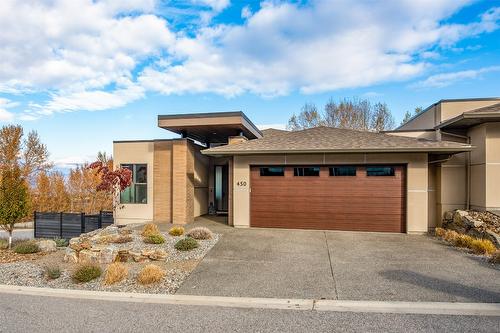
{"x":90,"y":100}
{"x":5,"y":104}
{"x":315,"y":48}
{"x":95,"y":55}
{"x":73,"y":161}
{"x":216,"y":5}
{"x":246,"y":12}
{"x":68,"y":48}
{"x":447,"y":79}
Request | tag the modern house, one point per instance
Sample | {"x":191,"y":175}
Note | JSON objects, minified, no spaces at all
{"x":446,"y":157}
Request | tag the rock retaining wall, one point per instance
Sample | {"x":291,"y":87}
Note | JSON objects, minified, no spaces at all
{"x":472,"y":223}
{"x":98,"y":247}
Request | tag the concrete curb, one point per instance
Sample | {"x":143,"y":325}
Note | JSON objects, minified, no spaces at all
{"x":436,"y":308}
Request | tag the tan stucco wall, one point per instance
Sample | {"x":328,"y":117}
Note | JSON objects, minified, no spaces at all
{"x":136,"y":152}
{"x":425,"y":120}
{"x":493,"y":167}
{"x":477,"y":136}
{"x":417,"y":181}
{"x":454,"y":108}
{"x":451,"y":186}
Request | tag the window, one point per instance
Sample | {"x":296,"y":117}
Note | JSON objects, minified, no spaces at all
{"x":137,"y":192}
{"x":307,"y":171}
{"x":343,"y":171}
{"x":380,"y":171}
{"x":272,"y":171}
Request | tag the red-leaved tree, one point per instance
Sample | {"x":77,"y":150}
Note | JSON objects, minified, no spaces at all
{"x":112,"y":181}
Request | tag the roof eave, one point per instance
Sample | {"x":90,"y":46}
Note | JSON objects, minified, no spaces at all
{"x":466,"y":116}
{"x":321,"y":151}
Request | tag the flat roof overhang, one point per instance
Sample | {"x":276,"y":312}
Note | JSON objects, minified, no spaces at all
{"x":212,"y":127}
{"x":437,"y":150}
{"x":467,"y":120}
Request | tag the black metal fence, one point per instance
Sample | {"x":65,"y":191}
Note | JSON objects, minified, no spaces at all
{"x":68,"y":225}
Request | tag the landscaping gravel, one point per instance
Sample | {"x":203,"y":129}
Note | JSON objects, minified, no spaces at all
{"x":177,"y":266}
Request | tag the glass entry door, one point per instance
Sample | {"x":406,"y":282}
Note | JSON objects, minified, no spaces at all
{"x":221,"y":188}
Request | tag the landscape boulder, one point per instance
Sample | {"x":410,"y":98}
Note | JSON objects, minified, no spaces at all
{"x":47,"y":245}
{"x":70,"y":255}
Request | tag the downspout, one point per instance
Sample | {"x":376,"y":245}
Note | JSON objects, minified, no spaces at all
{"x":467,"y":167}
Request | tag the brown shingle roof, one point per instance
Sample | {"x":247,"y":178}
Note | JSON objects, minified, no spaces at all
{"x":328,"y":139}
{"x":272,"y":131}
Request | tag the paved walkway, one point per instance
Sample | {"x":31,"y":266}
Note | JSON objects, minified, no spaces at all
{"x":340,"y":265}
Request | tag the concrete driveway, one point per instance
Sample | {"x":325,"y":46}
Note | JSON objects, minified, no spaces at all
{"x":340,"y":265}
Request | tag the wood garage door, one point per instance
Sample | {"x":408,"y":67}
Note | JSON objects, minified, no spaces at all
{"x":357,"y":198}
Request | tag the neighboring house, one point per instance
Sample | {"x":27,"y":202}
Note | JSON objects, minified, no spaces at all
{"x":319,"y":178}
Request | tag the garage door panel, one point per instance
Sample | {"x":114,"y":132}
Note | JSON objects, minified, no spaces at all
{"x":358,"y":203}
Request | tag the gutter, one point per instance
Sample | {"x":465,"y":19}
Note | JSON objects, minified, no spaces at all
{"x":319,"y":151}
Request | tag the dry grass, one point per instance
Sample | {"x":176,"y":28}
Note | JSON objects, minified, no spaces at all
{"x":439,"y":232}
{"x":495,"y":257}
{"x":463,"y":241}
{"x":150,"y":274}
{"x":150,"y":229}
{"x":200,"y":233}
{"x":115,"y":272}
{"x":450,"y":236}
{"x":478,"y":246}
{"x":482,"y":246}
{"x":176,"y":231}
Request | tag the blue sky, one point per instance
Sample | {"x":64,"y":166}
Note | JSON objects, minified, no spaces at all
{"x":84,"y":73}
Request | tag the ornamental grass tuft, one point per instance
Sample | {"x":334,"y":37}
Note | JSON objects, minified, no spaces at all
{"x":86,"y":273}
{"x":176,"y":231}
{"x":150,"y":274}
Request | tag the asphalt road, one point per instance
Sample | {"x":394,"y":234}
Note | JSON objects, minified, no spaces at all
{"x":48,"y":314}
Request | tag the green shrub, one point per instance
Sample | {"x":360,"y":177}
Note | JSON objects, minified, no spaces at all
{"x":4,"y":244}
{"x":176,"y":231}
{"x":482,"y":246}
{"x":26,"y":247}
{"x":86,"y":273}
{"x":61,"y":242}
{"x":154,"y":239}
{"x":186,"y":244}
{"x":53,"y":272}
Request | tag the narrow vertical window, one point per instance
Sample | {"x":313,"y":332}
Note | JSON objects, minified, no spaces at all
{"x":137,"y":192}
